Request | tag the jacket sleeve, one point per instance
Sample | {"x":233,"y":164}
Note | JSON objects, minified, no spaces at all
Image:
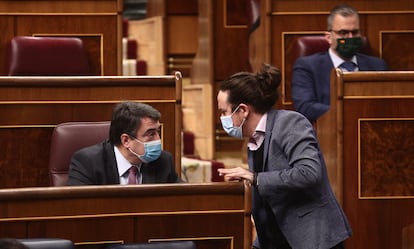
{"x":304,"y":91}
{"x":79,"y":173}
{"x":294,"y":162}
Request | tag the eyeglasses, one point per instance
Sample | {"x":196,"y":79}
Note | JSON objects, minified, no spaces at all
{"x":345,"y":33}
{"x":149,"y":135}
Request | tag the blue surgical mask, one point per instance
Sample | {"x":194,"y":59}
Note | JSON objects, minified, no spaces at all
{"x":229,"y":128}
{"x":152,"y":151}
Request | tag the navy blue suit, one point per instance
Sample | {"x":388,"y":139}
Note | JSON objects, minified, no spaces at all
{"x":96,"y":165}
{"x":311,"y":81}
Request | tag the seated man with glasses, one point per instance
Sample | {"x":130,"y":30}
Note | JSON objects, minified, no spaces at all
{"x":132,"y":155}
{"x":311,"y":74}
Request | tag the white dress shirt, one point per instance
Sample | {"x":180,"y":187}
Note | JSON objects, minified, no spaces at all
{"x":123,"y":168}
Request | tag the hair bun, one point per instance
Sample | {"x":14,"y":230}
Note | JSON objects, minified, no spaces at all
{"x":268,"y":77}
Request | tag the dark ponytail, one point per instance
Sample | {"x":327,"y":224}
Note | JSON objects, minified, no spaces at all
{"x":259,"y":90}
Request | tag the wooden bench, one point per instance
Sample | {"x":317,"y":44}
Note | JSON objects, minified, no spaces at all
{"x":30,"y":107}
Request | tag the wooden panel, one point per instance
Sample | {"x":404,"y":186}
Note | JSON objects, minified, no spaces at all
{"x":229,"y":26}
{"x":389,"y":216}
{"x":32,"y":107}
{"x":183,"y":227}
{"x":94,"y":216}
{"x":385,"y":157}
{"x":79,"y":230}
{"x":180,"y":32}
{"x":372,"y":143}
{"x":7,"y":34}
{"x":182,"y":40}
{"x":168,"y":7}
{"x":408,"y":237}
{"x":72,"y":6}
{"x":86,"y":19}
{"x":315,"y":6}
{"x":395,"y":46}
{"x":149,"y":33}
{"x":181,"y":7}
{"x":197,"y":100}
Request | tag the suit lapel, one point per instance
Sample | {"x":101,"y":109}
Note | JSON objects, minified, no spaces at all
{"x":363,"y":63}
{"x":268,"y":134}
{"x":146,"y":178}
{"x":250,"y":159}
{"x":111,"y":169}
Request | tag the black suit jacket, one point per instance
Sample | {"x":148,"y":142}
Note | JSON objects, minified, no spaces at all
{"x":96,"y":165}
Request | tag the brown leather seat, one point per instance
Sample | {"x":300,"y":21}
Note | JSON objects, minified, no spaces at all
{"x":67,"y":138}
{"x":47,"y":56}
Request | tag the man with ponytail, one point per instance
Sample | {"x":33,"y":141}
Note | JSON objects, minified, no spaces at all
{"x":293,"y":204}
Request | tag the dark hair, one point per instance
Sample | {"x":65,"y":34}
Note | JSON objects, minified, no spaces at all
{"x":259,"y":90}
{"x":126,"y":118}
{"x":6,"y":243}
{"x":342,"y":10}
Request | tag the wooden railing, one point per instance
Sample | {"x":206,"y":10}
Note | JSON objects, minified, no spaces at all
{"x":215,"y":215}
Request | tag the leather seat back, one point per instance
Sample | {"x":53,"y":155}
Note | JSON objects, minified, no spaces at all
{"x":67,"y":138}
{"x":310,"y":44}
{"x":47,"y":56}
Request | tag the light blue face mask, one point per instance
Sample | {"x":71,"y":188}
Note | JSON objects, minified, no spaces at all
{"x":152,"y":151}
{"x":228,"y":126}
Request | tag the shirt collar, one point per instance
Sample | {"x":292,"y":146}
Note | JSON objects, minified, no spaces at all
{"x":257,"y":138}
{"x":122,"y":163}
{"x":337,"y":61}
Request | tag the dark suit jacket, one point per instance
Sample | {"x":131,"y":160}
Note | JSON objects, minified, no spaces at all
{"x":311,"y":81}
{"x":293,"y":194}
{"x":96,"y":165}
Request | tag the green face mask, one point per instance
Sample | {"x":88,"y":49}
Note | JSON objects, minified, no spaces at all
{"x":348,"y":47}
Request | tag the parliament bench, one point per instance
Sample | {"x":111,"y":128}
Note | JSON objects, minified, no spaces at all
{"x":31,"y":107}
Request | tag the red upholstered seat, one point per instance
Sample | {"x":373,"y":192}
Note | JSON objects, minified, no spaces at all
{"x":307,"y":45}
{"x":67,"y":138}
{"x":310,"y":44}
{"x":188,"y":143}
{"x":47,"y":56}
{"x":215,"y":165}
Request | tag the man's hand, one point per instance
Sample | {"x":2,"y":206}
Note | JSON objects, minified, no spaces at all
{"x":236,"y":174}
